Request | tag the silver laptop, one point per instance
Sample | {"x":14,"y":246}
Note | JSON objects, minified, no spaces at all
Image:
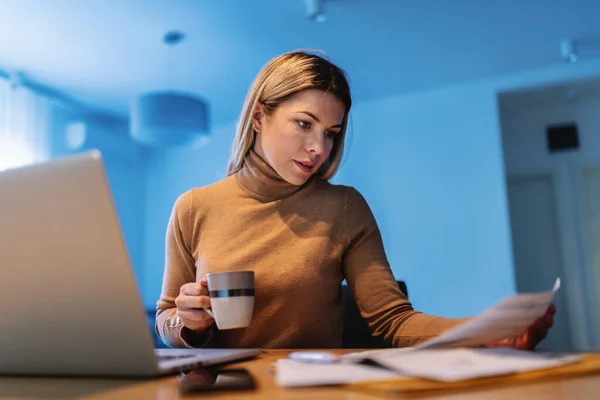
{"x":69,"y":303}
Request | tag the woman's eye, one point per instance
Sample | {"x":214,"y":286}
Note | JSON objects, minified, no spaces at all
{"x":331,"y":134}
{"x":304,"y":124}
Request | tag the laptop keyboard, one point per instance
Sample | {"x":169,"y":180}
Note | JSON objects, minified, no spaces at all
{"x":165,"y":357}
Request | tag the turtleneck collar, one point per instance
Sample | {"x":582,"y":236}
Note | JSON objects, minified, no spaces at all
{"x":259,"y":177}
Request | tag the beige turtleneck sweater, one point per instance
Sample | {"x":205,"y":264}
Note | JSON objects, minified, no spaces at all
{"x":301,"y":242}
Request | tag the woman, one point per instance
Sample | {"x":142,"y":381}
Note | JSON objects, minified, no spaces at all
{"x":277,"y":214}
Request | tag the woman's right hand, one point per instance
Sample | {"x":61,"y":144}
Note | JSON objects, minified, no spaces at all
{"x":192,"y":299}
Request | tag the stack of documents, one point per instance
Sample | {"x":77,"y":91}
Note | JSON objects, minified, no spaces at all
{"x":444,"y":365}
{"x":448,"y":357}
{"x":450,"y":365}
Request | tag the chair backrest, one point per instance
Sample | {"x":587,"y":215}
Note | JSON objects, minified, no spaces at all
{"x":356,"y":333}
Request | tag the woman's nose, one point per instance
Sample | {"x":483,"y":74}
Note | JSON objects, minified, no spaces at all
{"x":316,"y":145}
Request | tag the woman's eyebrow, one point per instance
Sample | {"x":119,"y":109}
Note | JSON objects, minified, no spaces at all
{"x":313,"y":116}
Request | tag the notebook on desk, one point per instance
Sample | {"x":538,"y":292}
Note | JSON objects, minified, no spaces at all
{"x":70,"y":303}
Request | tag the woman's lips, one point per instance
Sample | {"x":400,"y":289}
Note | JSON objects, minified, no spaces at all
{"x":303,"y":167}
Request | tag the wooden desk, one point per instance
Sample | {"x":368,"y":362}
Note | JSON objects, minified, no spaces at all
{"x":262,"y":370}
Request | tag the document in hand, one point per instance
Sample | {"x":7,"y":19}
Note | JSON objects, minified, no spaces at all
{"x":506,"y":319}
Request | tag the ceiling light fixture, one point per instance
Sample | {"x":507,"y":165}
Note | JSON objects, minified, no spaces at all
{"x":168,"y":117}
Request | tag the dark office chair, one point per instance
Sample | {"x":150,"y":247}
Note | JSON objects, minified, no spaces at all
{"x":356,"y":333}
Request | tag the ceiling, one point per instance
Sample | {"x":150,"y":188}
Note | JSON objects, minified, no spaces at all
{"x":105,"y":52}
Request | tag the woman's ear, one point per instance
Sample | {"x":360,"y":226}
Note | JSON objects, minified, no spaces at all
{"x":258,"y":116}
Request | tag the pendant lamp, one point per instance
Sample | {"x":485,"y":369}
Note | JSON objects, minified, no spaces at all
{"x":165,"y":118}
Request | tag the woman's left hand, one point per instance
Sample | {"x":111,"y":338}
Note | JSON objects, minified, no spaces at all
{"x":534,"y":334}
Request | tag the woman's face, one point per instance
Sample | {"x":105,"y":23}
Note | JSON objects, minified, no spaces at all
{"x":298,"y":137}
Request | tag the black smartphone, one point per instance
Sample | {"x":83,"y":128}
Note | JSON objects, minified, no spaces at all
{"x":210,"y":380}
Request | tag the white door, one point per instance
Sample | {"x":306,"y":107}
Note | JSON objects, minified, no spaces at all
{"x":536,"y":248}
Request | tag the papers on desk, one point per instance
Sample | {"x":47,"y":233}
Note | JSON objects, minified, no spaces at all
{"x":450,"y":365}
{"x":290,"y":373}
{"x":445,"y":365}
{"x":444,"y":357}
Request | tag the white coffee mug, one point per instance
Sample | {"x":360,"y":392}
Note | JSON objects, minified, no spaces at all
{"x":231,"y":298}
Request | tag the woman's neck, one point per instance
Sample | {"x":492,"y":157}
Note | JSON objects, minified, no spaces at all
{"x":260,"y":178}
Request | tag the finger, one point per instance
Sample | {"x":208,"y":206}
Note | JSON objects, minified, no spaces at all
{"x":543,"y":323}
{"x":536,"y":325}
{"x":184,"y":302}
{"x":194,"y":289}
{"x":523,"y":342}
{"x":537,"y":337}
{"x":198,"y":325}
{"x":204,"y":281}
{"x":539,"y":328}
{"x":537,"y":333}
{"x":195,"y":319}
{"x":194,"y":316}
{"x":526,"y":341}
{"x":529,"y":338}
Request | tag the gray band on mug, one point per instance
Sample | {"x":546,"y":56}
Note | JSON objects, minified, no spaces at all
{"x":231,"y":293}
{"x":230,"y":280}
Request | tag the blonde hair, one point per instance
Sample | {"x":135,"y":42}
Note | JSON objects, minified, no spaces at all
{"x":281,"y":78}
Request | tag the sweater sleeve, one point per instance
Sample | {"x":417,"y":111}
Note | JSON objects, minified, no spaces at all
{"x":179,"y":270}
{"x":386,"y":309}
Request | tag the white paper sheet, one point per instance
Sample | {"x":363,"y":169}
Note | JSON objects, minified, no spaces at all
{"x":508,"y":318}
{"x":459,"y":364}
{"x":290,"y":373}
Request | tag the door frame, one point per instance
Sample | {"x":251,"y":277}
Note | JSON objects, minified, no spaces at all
{"x":592,"y":291}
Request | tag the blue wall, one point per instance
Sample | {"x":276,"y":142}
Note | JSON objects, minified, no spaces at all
{"x":125,"y":164}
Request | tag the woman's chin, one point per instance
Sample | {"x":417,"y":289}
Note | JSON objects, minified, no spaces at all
{"x":296,"y":179}
{"x":297,"y":182}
